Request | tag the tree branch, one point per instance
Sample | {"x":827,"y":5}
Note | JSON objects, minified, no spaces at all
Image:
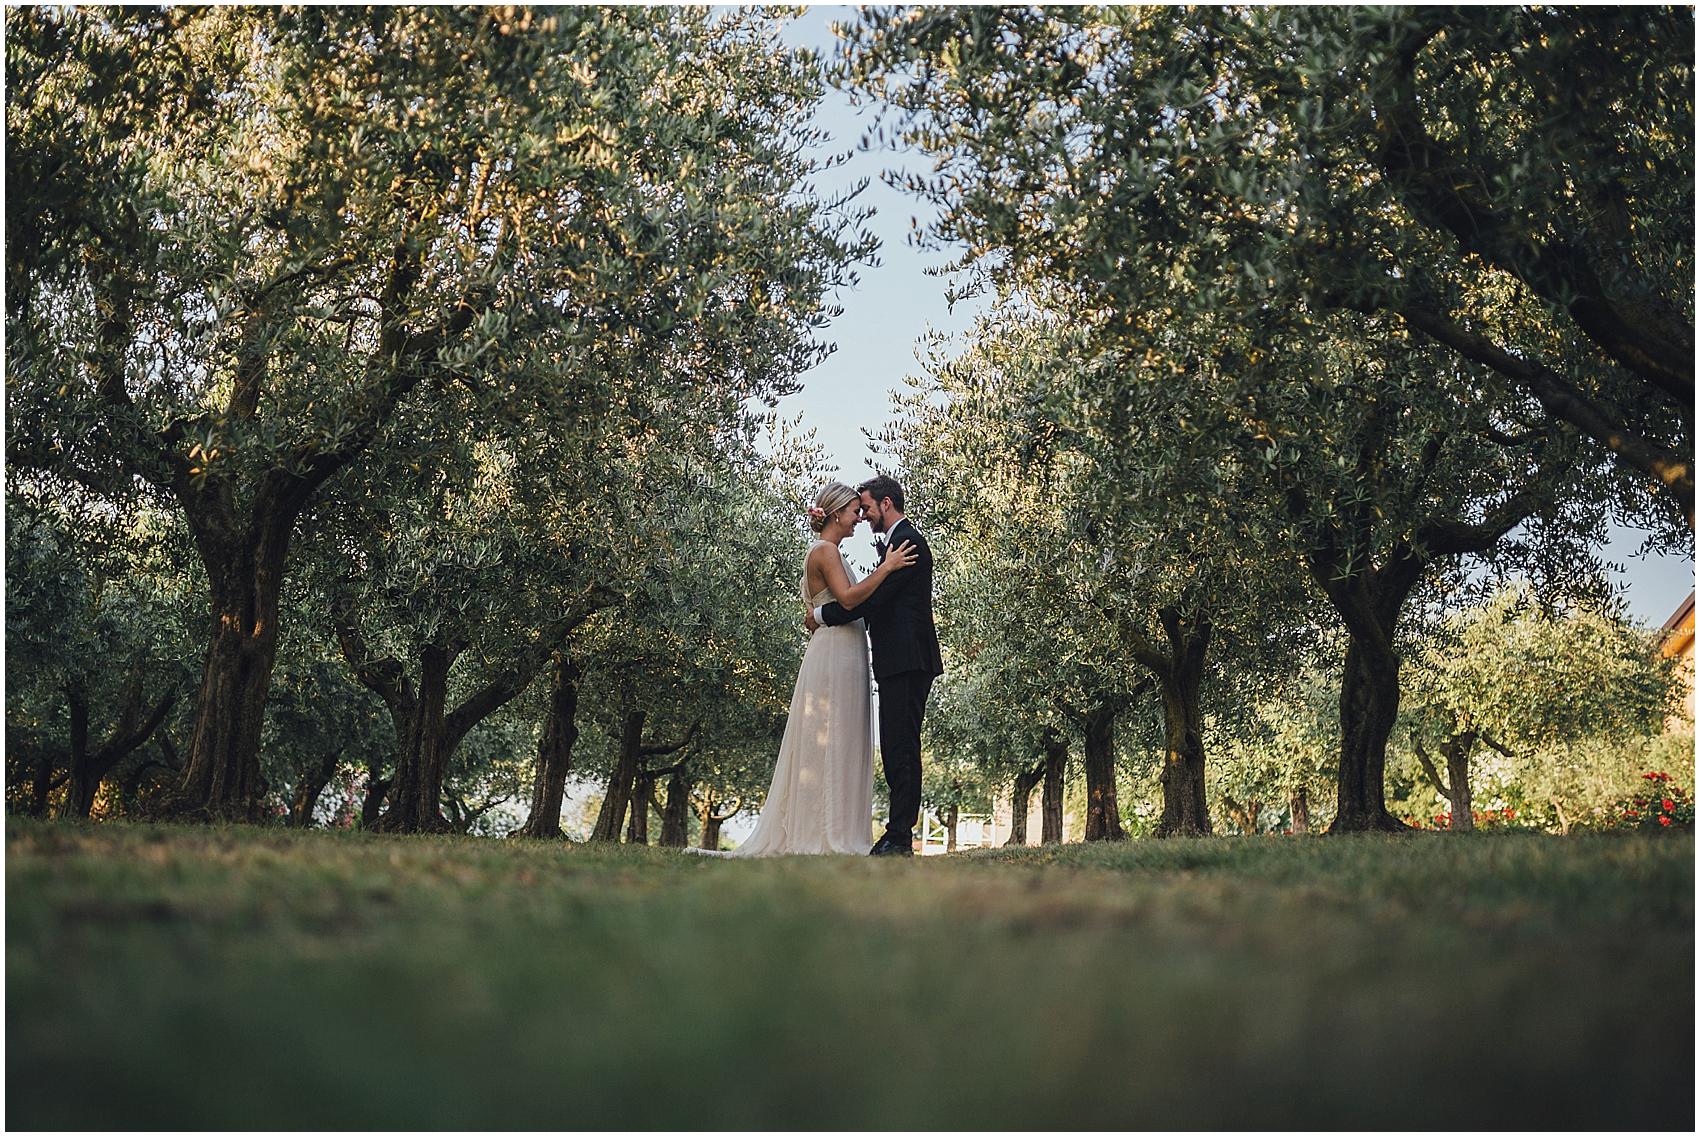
{"x":250,"y":369}
{"x":407,"y":367}
{"x":1447,"y":536}
{"x":114,"y":309}
{"x":669,"y":771}
{"x":1148,"y":653}
{"x":1669,"y":466}
{"x":122,"y":741}
{"x":669,"y":747}
{"x":1513,"y":441}
{"x":255,"y":297}
{"x":1495,"y":744}
{"x":512,"y":680}
{"x":1426,"y":463}
{"x":1033,"y":777}
{"x":466,"y":814}
{"x":386,"y":676}
{"x":31,"y":454}
{"x":1436,"y":185}
{"x":1429,"y":768}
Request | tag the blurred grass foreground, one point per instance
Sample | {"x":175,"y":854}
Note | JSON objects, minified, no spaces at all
{"x":162,"y":977}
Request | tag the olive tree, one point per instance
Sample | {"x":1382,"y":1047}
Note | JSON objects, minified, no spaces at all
{"x":241,"y":242}
{"x":1161,"y":179}
{"x":706,"y":650}
{"x":1447,"y":168}
{"x":1134,"y":545}
{"x":99,"y":627}
{"x":1519,"y":678}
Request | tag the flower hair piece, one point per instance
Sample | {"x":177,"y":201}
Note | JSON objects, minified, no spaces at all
{"x":816,"y":511}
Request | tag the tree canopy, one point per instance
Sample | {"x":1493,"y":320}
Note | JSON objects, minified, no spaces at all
{"x":392,"y":402}
{"x":250,"y":250}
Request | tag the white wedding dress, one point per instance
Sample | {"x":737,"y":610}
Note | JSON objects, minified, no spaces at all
{"x":822,"y":796}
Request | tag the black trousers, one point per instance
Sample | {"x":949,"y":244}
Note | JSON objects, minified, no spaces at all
{"x":903,"y":700}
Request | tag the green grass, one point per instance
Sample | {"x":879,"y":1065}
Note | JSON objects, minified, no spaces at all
{"x":209,"y":978}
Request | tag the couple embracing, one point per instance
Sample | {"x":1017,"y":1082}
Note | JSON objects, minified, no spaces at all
{"x":821,"y":799}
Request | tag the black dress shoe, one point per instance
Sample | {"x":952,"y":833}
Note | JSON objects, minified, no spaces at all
{"x":886,"y":847}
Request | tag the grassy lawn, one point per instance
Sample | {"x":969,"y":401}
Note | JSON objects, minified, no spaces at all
{"x":210,"y":978}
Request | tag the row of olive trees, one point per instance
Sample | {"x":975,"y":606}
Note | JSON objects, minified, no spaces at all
{"x":1301,"y":322}
{"x":103,"y":625}
{"x":1082,"y":580}
{"x":439,"y":336}
{"x":1537,"y":714}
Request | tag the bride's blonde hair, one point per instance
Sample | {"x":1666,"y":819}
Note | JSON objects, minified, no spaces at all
{"x":832,"y":497}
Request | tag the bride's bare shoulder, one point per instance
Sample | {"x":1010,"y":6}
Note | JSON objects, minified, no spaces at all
{"x":822,"y":555}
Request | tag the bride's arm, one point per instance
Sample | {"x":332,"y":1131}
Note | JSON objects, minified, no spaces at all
{"x":826,"y":562}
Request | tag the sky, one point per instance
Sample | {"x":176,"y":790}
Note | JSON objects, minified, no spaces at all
{"x":896,"y":303}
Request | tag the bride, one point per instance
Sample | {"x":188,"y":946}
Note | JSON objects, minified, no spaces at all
{"x":822,"y":796}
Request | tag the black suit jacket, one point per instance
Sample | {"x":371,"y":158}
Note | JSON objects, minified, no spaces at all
{"x":899,"y":613}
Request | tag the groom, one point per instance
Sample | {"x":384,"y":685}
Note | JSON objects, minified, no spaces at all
{"x":906,"y":656}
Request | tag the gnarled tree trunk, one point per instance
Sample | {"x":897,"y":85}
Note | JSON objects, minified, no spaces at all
{"x":675,"y":832}
{"x":1463,"y":807}
{"x":309,"y":786}
{"x":1021,"y":794}
{"x":1369,"y":706}
{"x":643,"y":796}
{"x":170,"y":767}
{"x":222,"y":780}
{"x":554,"y":753}
{"x":618,"y":797}
{"x":1103,"y":819}
{"x":1369,"y":600}
{"x":417,"y":791}
{"x":1178,"y":670}
{"x":88,"y":768}
{"x":712,"y":818}
{"x":1051,"y":803}
{"x":1244,"y":817}
{"x":623,"y":782}
{"x":244,"y":559}
{"x":462,"y":815}
{"x":1185,"y":812}
{"x":1300,"y":805}
{"x":427,"y":732}
{"x":377,"y":792}
{"x":1455,"y":786}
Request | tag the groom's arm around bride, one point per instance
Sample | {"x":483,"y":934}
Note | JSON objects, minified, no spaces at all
{"x":898,"y":612}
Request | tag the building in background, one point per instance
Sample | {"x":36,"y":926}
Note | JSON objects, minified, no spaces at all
{"x":1676,"y":641}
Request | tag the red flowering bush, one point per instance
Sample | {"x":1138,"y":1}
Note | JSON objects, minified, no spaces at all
{"x":1494,"y":818}
{"x":1483,"y":818}
{"x":1661,"y":804}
